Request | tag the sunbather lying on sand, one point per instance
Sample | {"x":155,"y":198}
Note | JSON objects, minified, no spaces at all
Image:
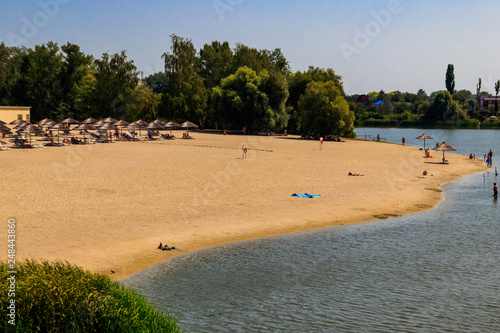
{"x":354,"y":174}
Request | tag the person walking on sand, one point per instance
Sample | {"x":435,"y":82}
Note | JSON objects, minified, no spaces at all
{"x":495,"y":190}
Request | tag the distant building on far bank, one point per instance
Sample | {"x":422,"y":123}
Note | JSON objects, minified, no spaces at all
{"x":11,"y":113}
{"x":488,"y":102}
{"x":364,"y":99}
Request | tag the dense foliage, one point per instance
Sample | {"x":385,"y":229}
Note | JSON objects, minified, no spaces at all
{"x":57,"y":297}
{"x":217,"y":87}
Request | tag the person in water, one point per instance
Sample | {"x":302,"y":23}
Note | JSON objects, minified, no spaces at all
{"x":495,"y":190}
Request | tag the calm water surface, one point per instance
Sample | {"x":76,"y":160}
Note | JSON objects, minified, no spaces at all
{"x":435,"y":271}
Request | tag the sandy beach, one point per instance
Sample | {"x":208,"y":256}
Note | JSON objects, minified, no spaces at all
{"x":108,"y":206}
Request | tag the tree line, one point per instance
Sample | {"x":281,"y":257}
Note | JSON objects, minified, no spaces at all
{"x":218,"y":87}
{"x":444,"y":108}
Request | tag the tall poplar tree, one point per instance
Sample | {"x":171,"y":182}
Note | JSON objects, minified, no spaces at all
{"x":450,"y":79}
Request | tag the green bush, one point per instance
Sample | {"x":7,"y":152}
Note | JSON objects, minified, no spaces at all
{"x":60,"y":297}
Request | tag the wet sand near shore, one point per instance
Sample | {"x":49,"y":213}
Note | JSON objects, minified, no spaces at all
{"x":108,"y":206}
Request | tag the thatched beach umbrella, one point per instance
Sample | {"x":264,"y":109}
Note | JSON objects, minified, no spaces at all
{"x":108,"y":126}
{"x":44,"y":120}
{"x":158,"y":121}
{"x":69,"y":121}
{"x":30,"y":128}
{"x":2,"y":122}
{"x":48,"y":124}
{"x":444,"y":147}
{"x":17,"y":122}
{"x":5,"y":130}
{"x":20,"y":126}
{"x":110,"y":120}
{"x":424,"y":136}
{"x":135,"y":125}
{"x":122,"y":123}
{"x":187,"y":125}
{"x":89,"y":121}
{"x":153,"y":125}
{"x":84,"y":127}
{"x":171,"y":125}
{"x":58,"y":127}
{"x":141,"y":122}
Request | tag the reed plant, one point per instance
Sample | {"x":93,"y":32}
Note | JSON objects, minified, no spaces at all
{"x":61,"y":297}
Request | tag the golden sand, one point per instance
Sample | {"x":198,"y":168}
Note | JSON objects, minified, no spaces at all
{"x":107,"y":206}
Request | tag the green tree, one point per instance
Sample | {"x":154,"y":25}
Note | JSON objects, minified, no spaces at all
{"x":144,"y":104}
{"x":185,"y":96}
{"x":298,"y":82}
{"x":422,"y":95}
{"x":462,"y":96}
{"x":478,"y":93}
{"x":323,"y":110}
{"x":115,"y":81}
{"x":75,"y":68}
{"x":157,"y":82}
{"x":450,"y":79}
{"x":38,"y":84}
{"x":259,"y":60}
{"x":443,"y":107}
{"x":215,"y":63}
{"x":248,"y":99}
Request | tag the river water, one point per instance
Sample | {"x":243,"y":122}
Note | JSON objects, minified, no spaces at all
{"x":434,"y":271}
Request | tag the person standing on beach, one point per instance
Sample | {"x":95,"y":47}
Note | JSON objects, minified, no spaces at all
{"x":403,"y":140}
{"x":495,"y":190}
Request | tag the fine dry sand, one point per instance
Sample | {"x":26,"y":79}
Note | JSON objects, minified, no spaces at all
{"x":107,"y":206}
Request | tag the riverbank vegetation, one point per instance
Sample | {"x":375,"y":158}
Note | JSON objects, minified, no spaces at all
{"x":220,"y":87}
{"x":60,"y":297}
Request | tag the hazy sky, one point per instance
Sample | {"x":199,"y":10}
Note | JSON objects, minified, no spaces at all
{"x":391,"y":45}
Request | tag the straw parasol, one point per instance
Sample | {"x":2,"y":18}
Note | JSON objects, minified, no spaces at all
{"x":153,"y":125}
{"x":30,"y":128}
{"x":58,"y":127}
{"x":158,"y":121}
{"x":49,"y":123}
{"x":70,"y":121}
{"x":444,"y":147}
{"x":141,"y":122}
{"x":135,"y":125}
{"x":89,"y":121}
{"x":187,"y":125}
{"x":84,"y":127}
{"x":44,"y":120}
{"x":5,"y":130}
{"x":17,"y":122}
{"x":2,"y":122}
{"x":108,"y":126}
{"x":122,"y":123}
{"x":20,"y":126}
{"x":424,"y":136}
{"x":110,"y":120}
{"x":171,"y":125}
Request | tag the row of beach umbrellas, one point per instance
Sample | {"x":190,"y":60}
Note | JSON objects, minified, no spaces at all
{"x":442,"y":147}
{"x":89,"y":124}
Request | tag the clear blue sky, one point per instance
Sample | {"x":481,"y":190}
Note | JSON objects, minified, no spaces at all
{"x":390,"y":45}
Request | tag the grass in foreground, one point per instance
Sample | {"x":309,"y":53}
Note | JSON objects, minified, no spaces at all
{"x":60,"y":297}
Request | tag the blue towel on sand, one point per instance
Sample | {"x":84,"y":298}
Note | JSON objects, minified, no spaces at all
{"x":305,"y":195}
